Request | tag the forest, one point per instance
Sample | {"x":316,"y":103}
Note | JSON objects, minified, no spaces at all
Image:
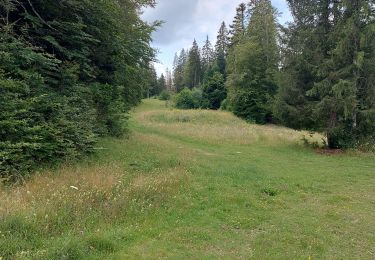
{"x":67,"y":80}
{"x":258,"y":145}
{"x":315,"y":73}
{"x":69,"y":72}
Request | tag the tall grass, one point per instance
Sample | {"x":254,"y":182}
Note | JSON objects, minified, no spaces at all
{"x":195,"y":184}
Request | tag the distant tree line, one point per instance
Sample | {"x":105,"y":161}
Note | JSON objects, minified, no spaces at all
{"x":315,"y":73}
{"x":69,"y":70}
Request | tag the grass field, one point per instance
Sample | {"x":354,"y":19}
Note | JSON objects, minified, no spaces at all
{"x":195,"y":184}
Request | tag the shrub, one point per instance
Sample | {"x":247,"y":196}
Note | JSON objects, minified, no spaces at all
{"x":165,"y":95}
{"x":225,"y":105}
{"x":214,"y":92}
{"x":249,"y":105}
{"x":189,"y":99}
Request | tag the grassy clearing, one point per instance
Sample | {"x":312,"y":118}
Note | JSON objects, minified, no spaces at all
{"x":196,"y":184}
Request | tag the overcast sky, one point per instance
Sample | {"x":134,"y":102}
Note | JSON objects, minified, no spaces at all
{"x":186,"y":20}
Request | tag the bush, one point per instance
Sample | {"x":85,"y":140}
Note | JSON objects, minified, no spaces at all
{"x":250,"y":105}
{"x":165,"y":95}
{"x":189,"y":99}
{"x":214,"y":92}
{"x":225,"y":105}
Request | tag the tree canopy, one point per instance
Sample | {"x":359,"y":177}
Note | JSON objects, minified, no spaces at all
{"x":69,"y":71}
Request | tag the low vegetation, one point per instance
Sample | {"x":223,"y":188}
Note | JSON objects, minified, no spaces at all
{"x":195,"y":184}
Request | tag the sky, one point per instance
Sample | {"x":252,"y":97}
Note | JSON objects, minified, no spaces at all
{"x":186,"y":20}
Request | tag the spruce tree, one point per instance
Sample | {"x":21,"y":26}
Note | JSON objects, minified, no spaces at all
{"x":208,"y":57}
{"x":221,"y":50}
{"x":69,"y":72}
{"x":179,"y":71}
{"x":327,"y":71}
{"x":300,"y":59}
{"x":222,"y":41}
{"x":252,"y":65}
{"x":342,"y":110}
{"x":193,"y":73}
{"x":162,"y":84}
{"x":238,"y":27}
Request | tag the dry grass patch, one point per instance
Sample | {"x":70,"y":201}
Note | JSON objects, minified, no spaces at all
{"x":71,"y":195}
{"x":219,"y":127}
{"x":54,"y":189}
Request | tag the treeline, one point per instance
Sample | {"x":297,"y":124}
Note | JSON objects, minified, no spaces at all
{"x":316,"y":73}
{"x":158,"y":85}
{"x":69,"y":70}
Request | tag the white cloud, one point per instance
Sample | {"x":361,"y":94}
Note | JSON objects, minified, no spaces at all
{"x":186,"y":20}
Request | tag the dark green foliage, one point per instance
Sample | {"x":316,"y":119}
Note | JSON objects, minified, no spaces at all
{"x":214,"y":92}
{"x":328,"y":58}
{"x":151,"y":81}
{"x":165,"y":95}
{"x":189,"y":99}
{"x":220,"y":64}
{"x":315,"y":74}
{"x":291,"y":106}
{"x":221,"y":50}
{"x":159,"y":86}
{"x":225,"y":105}
{"x":179,"y":70}
{"x":39,"y":123}
{"x":193,"y":70}
{"x":238,"y":27}
{"x":252,"y":66}
{"x":208,"y":58}
{"x":69,"y":71}
{"x":222,"y":41}
{"x":110,"y":109}
{"x":250,"y":105}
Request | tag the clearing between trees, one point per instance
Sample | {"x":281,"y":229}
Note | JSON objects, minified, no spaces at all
{"x":195,"y":184}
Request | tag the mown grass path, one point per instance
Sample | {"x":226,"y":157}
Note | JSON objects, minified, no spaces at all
{"x":196,"y":184}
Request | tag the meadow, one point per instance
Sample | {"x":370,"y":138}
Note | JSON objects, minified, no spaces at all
{"x":195,"y":184}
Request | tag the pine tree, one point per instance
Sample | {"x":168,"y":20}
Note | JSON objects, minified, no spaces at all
{"x":152,"y":81}
{"x":222,"y":41}
{"x":301,"y":57}
{"x":238,"y":27}
{"x":328,"y":68}
{"x":342,"y":110}
{"x":193,"y":73}
{"x":162,"y":84}
{"x":168,"y":80}
{"x":252,"y":65}
{"x":263,"y":28}
{"x":214,"y":91}
{"x":179,"y":71}
{"x":208,"y":57}
{"x":221,"y":50}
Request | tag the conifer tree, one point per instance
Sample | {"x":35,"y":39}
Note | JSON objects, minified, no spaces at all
{"x":208,"y":56}
{"x":179,"y":71}
{"x":168,"y":80}
{"x":252,"y":65}
{"x":221,"y":50}
{"x":151,"y":82}
{"x":327,"y":65}
{"x":238,"y":27}
{"x":342,"y":109}
{"x":193,"y":73}
{"x":69,"y":70}
{"x":162,"y":84}
{"x":222,"y":41}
